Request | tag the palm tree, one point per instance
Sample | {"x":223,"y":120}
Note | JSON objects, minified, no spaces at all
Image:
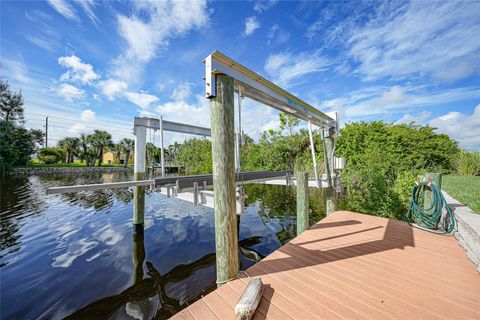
{"x":127,"y":146}
{"x":70,"y":145}
{"x":101,"y":140}
{"x":118,"y":150}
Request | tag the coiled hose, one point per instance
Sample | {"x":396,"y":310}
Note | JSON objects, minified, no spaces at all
{"x":428,"y":219}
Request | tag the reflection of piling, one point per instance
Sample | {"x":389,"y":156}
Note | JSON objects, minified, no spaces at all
{"x":302,"y":201}
{"x":222,"y":121}
{"x":139,"y":202}
{"x":138,"y":252}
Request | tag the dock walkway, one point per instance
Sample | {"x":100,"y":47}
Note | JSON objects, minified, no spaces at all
{"x":355,"y":266}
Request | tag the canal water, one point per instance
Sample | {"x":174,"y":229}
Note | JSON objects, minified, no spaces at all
{"x":78,"y":255}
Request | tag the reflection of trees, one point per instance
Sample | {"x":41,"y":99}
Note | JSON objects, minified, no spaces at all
{"x":19,"y":198}
{"x":278,"y":203}
{"x":22,"y":196}
{"x":97,"y":199}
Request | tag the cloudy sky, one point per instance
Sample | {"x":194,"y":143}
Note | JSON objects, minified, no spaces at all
{"x":89,"y":64}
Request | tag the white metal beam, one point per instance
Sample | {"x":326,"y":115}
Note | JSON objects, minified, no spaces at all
{"x":153,"y":123}
{"x":260,"y":89}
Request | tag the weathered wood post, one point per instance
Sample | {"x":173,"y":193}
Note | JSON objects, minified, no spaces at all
{"x":436,"y":178}
{"x":223,"y":153}
{"x":328,"y":148}
{"x":302,"y":201}
{"x":140,"y":133}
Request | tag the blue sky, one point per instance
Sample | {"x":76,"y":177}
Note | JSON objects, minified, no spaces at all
{"x":90,"y":64}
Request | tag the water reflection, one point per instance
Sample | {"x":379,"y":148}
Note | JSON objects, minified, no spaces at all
{"x":85,"y":255}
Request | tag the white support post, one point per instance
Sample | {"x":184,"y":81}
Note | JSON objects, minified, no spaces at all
{"x":162,"y":154}
{"x":238,"y":141}
{"x":312,"y":148}
{"x":140,"y":133}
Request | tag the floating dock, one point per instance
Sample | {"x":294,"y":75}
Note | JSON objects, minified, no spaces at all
{"x":355,"y":266}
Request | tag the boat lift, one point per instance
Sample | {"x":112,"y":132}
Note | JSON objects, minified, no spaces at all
{"x":247,"y":84}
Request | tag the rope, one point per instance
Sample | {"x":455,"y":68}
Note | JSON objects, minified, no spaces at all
{"x":428,"y":219}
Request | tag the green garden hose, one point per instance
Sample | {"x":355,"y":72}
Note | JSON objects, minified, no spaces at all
{"x":428,"y":218}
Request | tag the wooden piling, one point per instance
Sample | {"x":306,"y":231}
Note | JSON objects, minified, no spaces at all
{"x":222,"y":128}
{"x":302,"y":201}
{"x":435,"y":178}
{"x":195,"y":193}
{"x":139,"y":201}
{"x":328,"y":149}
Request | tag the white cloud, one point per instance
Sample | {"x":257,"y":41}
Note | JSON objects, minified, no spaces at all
{"x":264,"y":5}
{"x":418,"y":118}
{"x":88,"y":115}
{"x":251,"y":24}
{"x":181,"y":111}
{"x":78,"y":71}
{"x":182,"y":91}
{"x":112,"y":88}
{"x":141,"y":99}
{"x":87,"y":6}
{"x":462,"y":127}
{"x":383,"y":100}
{"x":64,"y":8}
{"x":285,"y":67}
{"x":165,"y":19}
{"x":69,"y":92}
{"x":419,"y":38}
{"x":277,"y":35}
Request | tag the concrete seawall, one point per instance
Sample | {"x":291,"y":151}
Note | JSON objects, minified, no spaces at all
{"x":66,"y":170}
{"x":467,"y":230}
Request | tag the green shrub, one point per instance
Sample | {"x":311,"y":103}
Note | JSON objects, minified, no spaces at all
{"x":49,"y":159}
{"x":403,"y":187}
{"x":468,"y":163}
{"x":51,"y":155}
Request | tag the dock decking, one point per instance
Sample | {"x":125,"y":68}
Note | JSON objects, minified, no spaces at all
{"x":354,"y":266}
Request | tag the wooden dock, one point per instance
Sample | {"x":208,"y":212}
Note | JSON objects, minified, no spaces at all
{"x":354,"y":266}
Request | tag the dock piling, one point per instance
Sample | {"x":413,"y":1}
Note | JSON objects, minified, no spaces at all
{"x":302,"y":201}
{"x":222,"y":128}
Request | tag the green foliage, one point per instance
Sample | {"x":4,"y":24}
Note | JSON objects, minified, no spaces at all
{"x":382,"y":162}
{"x":17,"y":144}
{"x":71,"y":146}
{"x":407,"y":147}
{"x":467,"y":163}
{"x":195,"y":155}
{"x":11,"y":103}
{"x":51,"y":155}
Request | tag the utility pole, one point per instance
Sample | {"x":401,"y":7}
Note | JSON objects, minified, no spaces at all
{"x":46,"y":132}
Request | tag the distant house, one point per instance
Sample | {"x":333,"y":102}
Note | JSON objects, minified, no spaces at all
{"x":110,"y":157}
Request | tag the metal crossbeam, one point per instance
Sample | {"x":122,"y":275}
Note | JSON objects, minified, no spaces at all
{"x":153,"y":123}
{"x":260,"y":89}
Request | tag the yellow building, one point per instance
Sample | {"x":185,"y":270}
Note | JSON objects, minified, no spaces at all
{"x":110,"y":157}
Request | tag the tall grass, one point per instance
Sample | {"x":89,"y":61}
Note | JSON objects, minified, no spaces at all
{"x":468,"y":163}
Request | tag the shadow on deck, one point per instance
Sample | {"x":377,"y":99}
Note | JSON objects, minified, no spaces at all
{"x":353,"y":266}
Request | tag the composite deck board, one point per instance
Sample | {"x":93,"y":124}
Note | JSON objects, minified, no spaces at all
{"x":354,"y":266}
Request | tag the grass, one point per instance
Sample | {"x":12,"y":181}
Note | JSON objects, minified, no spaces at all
{"x":465,"y":189}
{"x":36,"y":164}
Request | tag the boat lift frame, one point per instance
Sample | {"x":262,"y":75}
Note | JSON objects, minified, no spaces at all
{"x":140,"y":124}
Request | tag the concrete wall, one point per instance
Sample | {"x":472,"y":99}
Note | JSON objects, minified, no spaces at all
{"x":467,"y":230}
